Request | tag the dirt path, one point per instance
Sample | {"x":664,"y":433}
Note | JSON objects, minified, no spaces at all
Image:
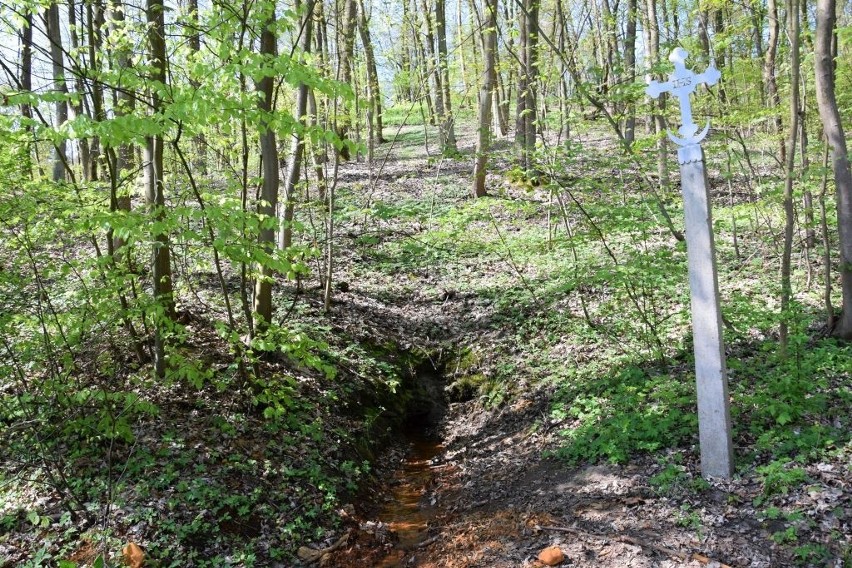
{"x":497,"y":499}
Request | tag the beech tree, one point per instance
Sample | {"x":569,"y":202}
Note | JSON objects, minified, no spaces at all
{"x":154,"y":183}
{"x":268,"y":203}
{"x":297,"y":138}
{"x":525,"y":123}
{"x":836,"y":139}
{"x":54,"y":37}
{"x":448,"y":132}
{"x":489,"y":81}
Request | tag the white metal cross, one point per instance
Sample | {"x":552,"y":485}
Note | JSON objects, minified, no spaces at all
{"x":681,"y":84}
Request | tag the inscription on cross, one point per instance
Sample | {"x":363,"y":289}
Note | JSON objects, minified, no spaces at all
{"x":681,"y":84}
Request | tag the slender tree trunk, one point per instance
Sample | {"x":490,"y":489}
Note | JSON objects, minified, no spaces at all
{"x":483,"y":141}
{"x":789,"y":213}
{"x":807,"y":195}
{"x":77,"y":108}
{"x":318,"y":152}
{"x":54,"y":37}
{"x":499,"y":103}
{"x":372,"y":74}
{"x":346,"y":51}
{"x":200,"y":142}
{"x":611,"y":44}
{"x":125,"y":103}
{"x":95,"y":23}
{"x":434,"y":73}
{"x":161,"y":272}
{"x":704,"y":34}
{"x":269,"y":156}
{"x":826,"y":245}
{"x":448,"y":126}
{"x":297,"y":139}
{"x":26,"y":78}
{"x":659,"y":121}
{"x":405,"y":55}
{"x":630,"y":64}
{"x":836,"y":138}
{"x":461,"y":52}
{"x":769,"y":76}
{"x":525,"y":125}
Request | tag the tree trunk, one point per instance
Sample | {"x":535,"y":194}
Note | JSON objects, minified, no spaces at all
{"x":54,"y":37}
{"x":483,"y":140}
{"x":659,"y":121}
{"x":769,"y":76}
{"x":789,"y":214}
{"x":161,"y":270}
{"x":199,"y":140}
{"x":26,"y":79}
{"x":525,"y":125}
{"x":297,"y":139}
{"x":346,"y":51}
{"x":269,"y":156}
{"x":630,"y":64}
{"x":372,"y":75}
{"x":77,"y":108}
{"x":434,"y":73}
{"x":125,"y":103}
{"x":834,"y":134}
{"x":447,"y":124}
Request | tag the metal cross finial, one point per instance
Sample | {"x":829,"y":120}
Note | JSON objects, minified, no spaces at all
{"x":681,"y":84}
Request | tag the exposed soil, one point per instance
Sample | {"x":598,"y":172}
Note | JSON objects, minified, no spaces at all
{"x":492,"y":496}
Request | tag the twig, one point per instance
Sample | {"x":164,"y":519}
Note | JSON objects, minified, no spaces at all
{"x":429,"y":541}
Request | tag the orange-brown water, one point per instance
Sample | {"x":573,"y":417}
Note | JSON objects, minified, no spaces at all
{"x":407,"y":513}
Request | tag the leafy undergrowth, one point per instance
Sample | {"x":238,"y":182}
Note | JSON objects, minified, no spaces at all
{"x":202,"y":470}
{"x":567,"y":296}
{"x":573,"y":289}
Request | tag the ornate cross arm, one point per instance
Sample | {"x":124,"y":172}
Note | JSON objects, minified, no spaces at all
{"x":681,"y":84}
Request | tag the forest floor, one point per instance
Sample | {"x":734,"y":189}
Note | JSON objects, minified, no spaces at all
{"x":498,"y":494}
{"x":539,"y":342}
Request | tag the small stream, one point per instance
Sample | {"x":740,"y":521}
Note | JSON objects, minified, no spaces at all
{"x":407,"y":513}
{"x":406,"y":509}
